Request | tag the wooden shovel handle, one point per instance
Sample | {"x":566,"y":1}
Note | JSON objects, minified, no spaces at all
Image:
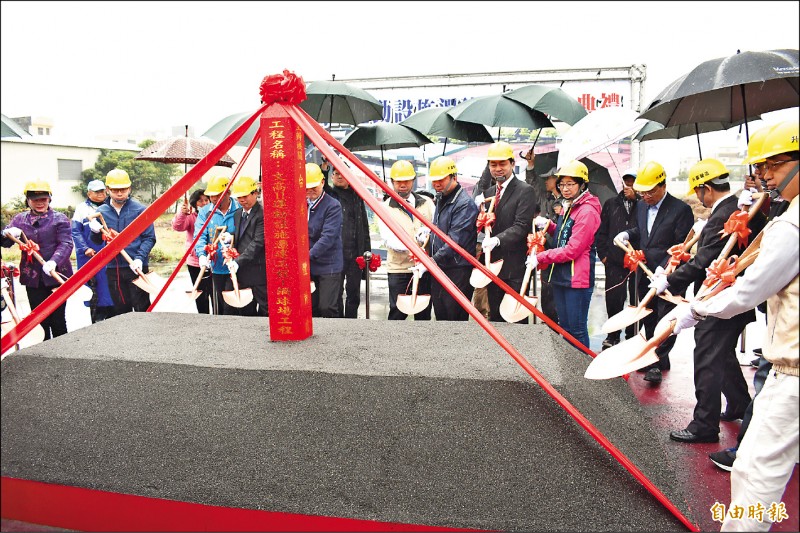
{"x":10,"y":305}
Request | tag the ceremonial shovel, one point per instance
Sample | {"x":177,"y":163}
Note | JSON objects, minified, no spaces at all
{"x":478,"y":279}
{"x":150,"y":282}
{"x":237,"y":297}
{"x":411,"y":304}
{"x":510,"y":309}
{"x":637,"y":352}
{"x":83,"y":292}
{"x":194,"y":293}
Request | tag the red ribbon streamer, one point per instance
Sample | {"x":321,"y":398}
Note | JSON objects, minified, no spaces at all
{"x":721,"y":270}
{"x":632,"y":259}
{"x":535,"y":243}
{"x":30,"y":247}
{"x":737,"y":223}
{"x":485,"y":220}
{"x":678,"y":255}
{"x":230,"y":253}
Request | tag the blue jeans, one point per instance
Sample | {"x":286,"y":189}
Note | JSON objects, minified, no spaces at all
{"x":572,"y":306}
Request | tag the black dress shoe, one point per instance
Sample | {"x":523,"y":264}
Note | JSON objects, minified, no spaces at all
{"x":730,"y":417}
{"x":653,"y":375}
{"x":684,"y":435}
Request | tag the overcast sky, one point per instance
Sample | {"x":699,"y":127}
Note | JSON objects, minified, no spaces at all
{"x":106,"y":67}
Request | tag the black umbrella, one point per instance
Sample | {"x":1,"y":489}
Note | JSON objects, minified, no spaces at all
{"x":600,"y":182}
{"x":655,"y":130}
{"x":730,"y":89}
{"x":383,"y":136}
{"x":437,"y":121}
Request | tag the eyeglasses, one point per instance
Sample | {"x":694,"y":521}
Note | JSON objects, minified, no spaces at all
{"x":768,"y":166}
{"x":648,"y":194}
{"x":563,"y":185}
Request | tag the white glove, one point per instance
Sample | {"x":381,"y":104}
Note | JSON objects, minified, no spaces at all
{"x":490,"y":243}
{"x":225,"y":237}
{"x":684,"y":319}
{"x":136,"y":265}
{"x":13,"y":232}
{"x":541,"y":222}
{"x":204,"y":262}
{"x":623,"y":237}
{"x":746,"y":197}
{"x":532,"y":261}
{"x":48,"y":267}
{"x":422,"y":234}
{"x":479,"y":199}
{"x":95,"y":225}
{"x":233,"y":266}
{"x":659,"y":281}
{"x":419,"y":269}
{"x":699,"y":225}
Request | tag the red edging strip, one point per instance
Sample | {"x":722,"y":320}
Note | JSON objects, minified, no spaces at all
{"x":83,"y":509}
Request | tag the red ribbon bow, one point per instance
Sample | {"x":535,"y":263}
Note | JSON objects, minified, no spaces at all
{"x":737,"y":223}
{"x":721,"y":270}
{"x":374,"y":262}
{"x":286,"y":88}
{"x":10,"y":270}
{"x":678,"y":255}
{"x":360,"y":262}
{"x":535,"y":242}
{"x":230,"y":253}
{"x":485,"y":220}
{"x":110,"y":235}
{"x":30,"y":247}
{"x":632,"y":259}
{"x":211,"y":251}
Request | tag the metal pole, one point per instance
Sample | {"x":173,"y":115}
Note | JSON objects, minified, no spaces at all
{"x":367,"y":259}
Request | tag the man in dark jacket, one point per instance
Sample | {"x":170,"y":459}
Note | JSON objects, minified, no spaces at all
{"x":250,"y":267}
{"x":325,"y":244}
{"x":355,"y":241}
{"x":455,"y":215}
{"x":617,"y":215}
{"x":716,"y":368}
{"x":661,"y":221}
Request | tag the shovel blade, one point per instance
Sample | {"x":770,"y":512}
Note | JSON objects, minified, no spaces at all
{"x":626,"y":317}
{"x":411,"y":305}
{"x":193,"y":294}
{"x":621,"y":359}
{"x":150,"y":283}
{"x":244,"y":297}
{"x":513,"y":311}
{"x":677,"y":300}
{"x":313,"y":287}
{"x":479,"y":280}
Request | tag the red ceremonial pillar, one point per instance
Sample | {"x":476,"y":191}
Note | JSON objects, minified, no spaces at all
{"x":283,"y":195}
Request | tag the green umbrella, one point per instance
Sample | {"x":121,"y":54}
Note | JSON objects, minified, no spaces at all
{"x":436,"y":121}
{"x":383,"y":136}
{"x":550,"y":100}
{"x":340,"y":103}
{"x":497,"y":111}
{"x":227,"y":125}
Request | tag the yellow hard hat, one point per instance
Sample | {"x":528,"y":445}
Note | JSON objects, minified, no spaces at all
{"x":216,"y":185}
{"x":573,"y":169}
{"x":500,"y":151}
{"x":37,"y":186}
{"x":117,"y":179}
{"x":755,"y":145}
{"x":704,"y":171}
{"x":314,"y":175}
{"x":781,"y":139}
{"x":648,"y":176}
{"x":243,"y":186}
{"x":441,"y":168}
{"x":402,"y":171}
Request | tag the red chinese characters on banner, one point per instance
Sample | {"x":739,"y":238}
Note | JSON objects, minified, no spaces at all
{"x":591,"y":102}
{"x":285,"y":226}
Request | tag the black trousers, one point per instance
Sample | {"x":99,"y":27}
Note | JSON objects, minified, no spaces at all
{"x":496,"y":295}
{"x":203,"y":302}
{"x":351,"y":297}
{"x":445,"y":306}
{"x":126,"y":296}
{"x":55,"y":324}
{"x":617,"y":296}
{"x":547,"y":300}
{"x":400,"y":283}
{"x":324,"y":299}
{"x":716,"y":372}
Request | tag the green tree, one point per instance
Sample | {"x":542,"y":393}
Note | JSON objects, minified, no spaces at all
{"x":148,"y":179}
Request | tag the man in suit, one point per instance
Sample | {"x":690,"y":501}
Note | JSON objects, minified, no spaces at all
{"x":661,"y":222}
{"x":716,"y":368}
{"x":250,"y":266}
{"x":514,"y":209}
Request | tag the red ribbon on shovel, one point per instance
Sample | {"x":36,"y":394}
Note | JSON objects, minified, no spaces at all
{"x":30,"y":247}
{"x":678,"y":255}
{"x":737,"y":223}
{"x":721,"y":270}
{"x":632,"y":259}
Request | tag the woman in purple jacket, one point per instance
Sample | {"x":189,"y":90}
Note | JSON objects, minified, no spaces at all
{"x":51,"y":231}
{"x":569,"y":264}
